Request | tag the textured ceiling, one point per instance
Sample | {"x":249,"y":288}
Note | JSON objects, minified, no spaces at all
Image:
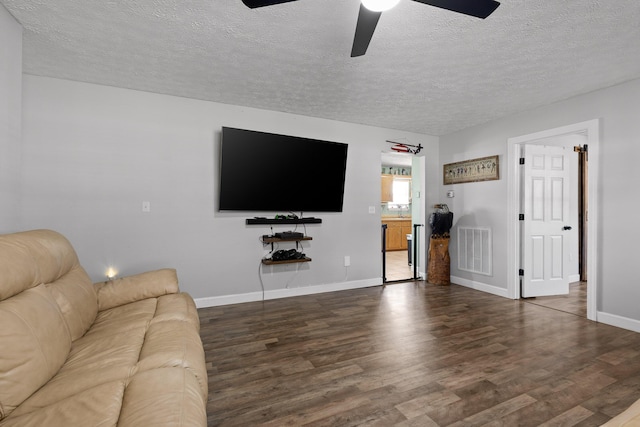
{"x":427,"y":70}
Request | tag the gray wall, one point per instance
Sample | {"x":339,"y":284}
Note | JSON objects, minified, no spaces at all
{"x":92,"y":154}
{"x":486,"y":203}
{"x":10,"y":120}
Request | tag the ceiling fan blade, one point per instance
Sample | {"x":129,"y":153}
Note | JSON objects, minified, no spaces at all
{"x":477,"y":8}
{"x":261,"y":3}
{"x":367,"y":21}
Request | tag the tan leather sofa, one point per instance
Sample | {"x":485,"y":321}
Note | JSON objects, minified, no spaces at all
{"x":121,"y":353}
{"x":629,"y":418}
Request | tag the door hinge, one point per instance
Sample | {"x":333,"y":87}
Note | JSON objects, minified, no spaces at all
{"x":522,"y":160}
{"x":521,"y":217}
{"x":581,"y":148}
{"x":521,"y":272}
{"x":584,"y":149}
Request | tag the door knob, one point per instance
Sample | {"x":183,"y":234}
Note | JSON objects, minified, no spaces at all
{"x":566,"y":227}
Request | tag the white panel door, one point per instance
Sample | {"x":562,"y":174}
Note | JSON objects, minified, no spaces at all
{"x":545,"y":249}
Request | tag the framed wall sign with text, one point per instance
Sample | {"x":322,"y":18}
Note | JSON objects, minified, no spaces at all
{"x":482,"y":169}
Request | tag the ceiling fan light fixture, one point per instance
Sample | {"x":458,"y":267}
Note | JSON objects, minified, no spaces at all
{"x":379,"y":5}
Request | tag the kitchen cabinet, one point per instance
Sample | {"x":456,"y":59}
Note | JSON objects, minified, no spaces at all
{"x":397,"y":230}
{"x":387,"y":188}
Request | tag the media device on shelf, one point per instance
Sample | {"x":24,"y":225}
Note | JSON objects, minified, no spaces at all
{"x":287,"y":255}
{"x":289,"y":235}
{"x":289,"y":216}
{"x":267,"y":221}
{"x":266,"y":172}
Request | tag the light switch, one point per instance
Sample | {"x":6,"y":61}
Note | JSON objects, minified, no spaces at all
{"x":146,"y":206}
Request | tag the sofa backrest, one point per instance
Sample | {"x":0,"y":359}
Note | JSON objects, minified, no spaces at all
{"x":46,"y":301}
{"x":34,"y":343}
{"x":31,"y":258}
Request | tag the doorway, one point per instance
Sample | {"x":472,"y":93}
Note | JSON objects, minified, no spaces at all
{"x":401,"y":210}
{"x":589,"y":132}
{"x":552,"y":209}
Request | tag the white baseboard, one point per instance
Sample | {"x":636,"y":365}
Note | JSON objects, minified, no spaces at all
{"x":227,"y":299}
{"x":479,"y":286}
{"x":618,"y":321}
{"x":285,"y":293}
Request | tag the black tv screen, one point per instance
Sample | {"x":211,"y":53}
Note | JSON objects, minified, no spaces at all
{"x":268,"y":172}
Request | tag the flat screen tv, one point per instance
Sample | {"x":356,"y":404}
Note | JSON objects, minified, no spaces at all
{"x":262,"y":171}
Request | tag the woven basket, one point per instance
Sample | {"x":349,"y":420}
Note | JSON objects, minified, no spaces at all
{"x":439,"y":263}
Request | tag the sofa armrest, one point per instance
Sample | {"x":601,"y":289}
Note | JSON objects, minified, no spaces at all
{"x":151,"y":284}
{"x":630,"y":417}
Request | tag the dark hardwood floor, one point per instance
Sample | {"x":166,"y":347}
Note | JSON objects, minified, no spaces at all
{"x":575,"y":302}
{"x":414,"y":354}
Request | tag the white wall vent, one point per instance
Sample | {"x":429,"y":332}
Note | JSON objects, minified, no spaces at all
{"x":474,"y":250}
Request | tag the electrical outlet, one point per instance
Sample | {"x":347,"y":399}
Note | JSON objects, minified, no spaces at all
{"x":347,"y":261}
{"x":372,"y":209}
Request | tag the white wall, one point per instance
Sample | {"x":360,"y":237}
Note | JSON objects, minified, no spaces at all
{"x":10,"y":120}
{"x":92,"y":154}
{"x":486,"y":203}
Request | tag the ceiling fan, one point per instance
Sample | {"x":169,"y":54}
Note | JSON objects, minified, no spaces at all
{"x":370,"y":11}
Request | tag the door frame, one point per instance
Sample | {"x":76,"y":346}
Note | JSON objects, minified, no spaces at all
{"x":591,"y":129}
{"x":418,"y":217}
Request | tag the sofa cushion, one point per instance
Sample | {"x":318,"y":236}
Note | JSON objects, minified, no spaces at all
{"x":175,"y":343}
{"x":118,"y":320}
{"x":109,"y":351}
{"x":124,"y":342}
{"x":168,"y":397}
{"x":97,"y":406}
{"x":178,"y":306}
{"x":629,"y":418}
{"x":35,"y":343}
{"x":30,"y":258}
{"x":77,"y":299}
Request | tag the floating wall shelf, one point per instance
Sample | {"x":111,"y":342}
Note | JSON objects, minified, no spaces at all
{"x":263,"y":221}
